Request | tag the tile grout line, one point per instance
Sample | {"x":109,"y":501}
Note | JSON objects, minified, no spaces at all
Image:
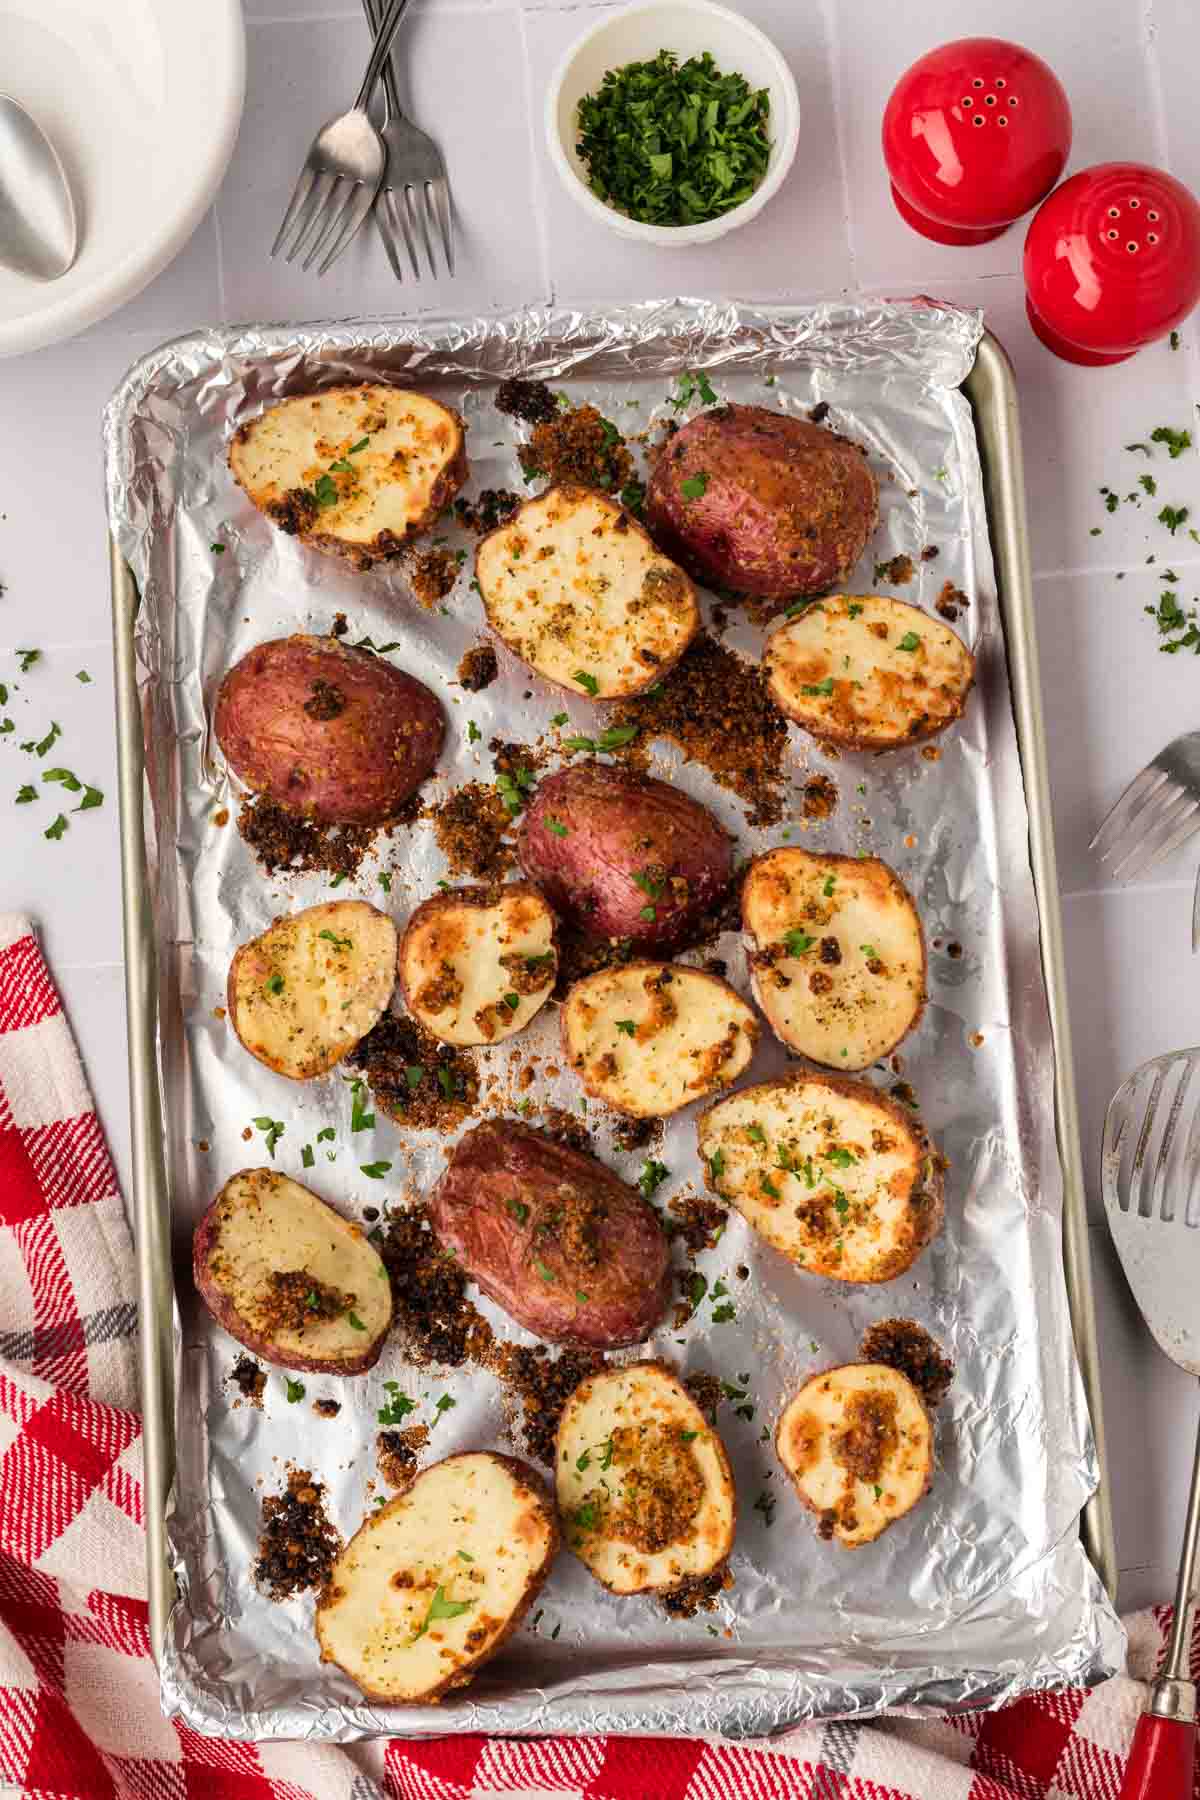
{"x":536,"y":194}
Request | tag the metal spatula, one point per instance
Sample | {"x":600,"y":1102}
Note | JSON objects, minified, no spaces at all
{"x":1151,"y":1181}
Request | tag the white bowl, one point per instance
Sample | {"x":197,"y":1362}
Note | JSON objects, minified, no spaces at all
{"x":637,"y":34}
{"x":142,"y":100}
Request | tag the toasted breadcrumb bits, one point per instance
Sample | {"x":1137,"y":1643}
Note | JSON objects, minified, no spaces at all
{"x":898,"y":571}
{"x":700,"y":1594}
{"x":282,"y":841}
{"x":396,"y":1453}
{"x":705,"y":1390}
{"x":542,"y":1384}
{"x":906,"y":1346}
{"x":698,"y":1221}
{"x":869,"y":1437}
{"x":293,"y":1299}
{"x":531,"y":401}
{"x":250,"y":1381}
{"x":327,"y":1409}
{"x":416,"y":1079}
{"x":433,"y":1316}
{"x":478,"y":668}
{"x":494,"y":507}
{"x":579,"y":447}
{"x":820,"y":797}
{"x":472,"y":827}
{"x":717,"y":708}
{"x":950,"y":601}
{"x":297,"y":1544}
{"x":431,"y":573}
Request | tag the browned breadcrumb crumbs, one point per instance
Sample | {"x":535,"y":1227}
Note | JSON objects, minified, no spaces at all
{"x":478,"y":668}
{"x":250,"y":1381}
{"x":700,"y":1594}
{"x":472,"y":827}
{"x":905,"y":1092}
{"x":869,"y":1438}
{"x":931,"y":752}
{"x":325,"y":701}
{"x":904,"y":1345}
{"x":431,"y":574}
{"x":414,"y":1078}
{"x":716,"y":707}
{"x":493,"y":508}
{"x":820,"y":797}
{"x":565,"y":1128}
{"x":955,"y":950}
{"x":542,"y":1384}
{"x":579,"y":446}
{"x":327,"y":1409}
{"x":930,"y":553}
{"x":292,"y":1299}
{"x":297,"y":1544}
{"x":221,"y":817}
{"x":705,"y":1390}
{"x":661,"y":1488}
{"x":340,"y":626}
{"x":697,"y":1221}
{"x":580,"y":954}
{"x":531,"y":401}
{"x":281,"y":841}
{"x":951,"y":601}
{"x":636,"y":1134}
{"x":898,"y":571}
{"x":396,"y":1453}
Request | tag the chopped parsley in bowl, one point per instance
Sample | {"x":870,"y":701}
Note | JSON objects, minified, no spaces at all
{"x":672,"y":121}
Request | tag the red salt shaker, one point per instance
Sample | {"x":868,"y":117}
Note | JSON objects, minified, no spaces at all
{"x":1112,"y":261}
{"x":974,"y":134}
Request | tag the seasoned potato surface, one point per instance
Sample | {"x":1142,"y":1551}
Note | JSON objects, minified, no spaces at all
{"x":857,"y":1443}
{"x":645,"y":1491}
{"x":478,"y":963}
{"x":839,"y":956}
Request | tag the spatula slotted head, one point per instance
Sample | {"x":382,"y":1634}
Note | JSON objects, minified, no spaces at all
{"x":1150,"y":1174}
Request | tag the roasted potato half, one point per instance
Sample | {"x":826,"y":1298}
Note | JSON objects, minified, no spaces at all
{"x":834,"y":1174}
{"x":477,"y":963}
{"x":354,"y":471}
{"x":762,"y":503}
{"x":432,"y":1584}
{"x":857,"y":1443}
{"x":651,"y":1037}
{"x":624,"y":855}
{"x":869,"y":672}
{"x":304,"y":993}
{"x":838,"y":957}
{"x":290,"y":1278}
{"x":567,"y":1249}
{"x":576,"y":589}
{"x":645,"y":1491}
{"x":329,"y":732}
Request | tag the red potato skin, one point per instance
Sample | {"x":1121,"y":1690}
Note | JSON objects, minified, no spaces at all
{"x":498,"y":1187}
{"x":204,"y":1242}
{"x":358,"y":767}
{"x":786,"y":512}
{"x":620,"y":824}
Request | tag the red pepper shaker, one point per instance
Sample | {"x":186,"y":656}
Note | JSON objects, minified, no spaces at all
{"x":1112,"y":261}
{"x":973,"y":136}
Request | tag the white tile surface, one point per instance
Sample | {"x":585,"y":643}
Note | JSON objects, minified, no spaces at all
{"x":476,"y":69}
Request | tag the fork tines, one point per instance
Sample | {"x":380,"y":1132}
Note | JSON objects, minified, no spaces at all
{"x":425,"y":210}
{"x":1154,"y":815}
{"x":326,"y":210}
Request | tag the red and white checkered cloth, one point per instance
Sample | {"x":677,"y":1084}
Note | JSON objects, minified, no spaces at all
{"x":79,"y":1711}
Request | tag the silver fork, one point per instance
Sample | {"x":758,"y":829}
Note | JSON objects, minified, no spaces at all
{"x":416,"y":172}
{"x":1158,"y":810}
{"x":343,"y":168}
{"x":1150,"y":1178}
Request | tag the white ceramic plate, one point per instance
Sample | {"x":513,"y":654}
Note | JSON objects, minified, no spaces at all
{"x":142,"y":99}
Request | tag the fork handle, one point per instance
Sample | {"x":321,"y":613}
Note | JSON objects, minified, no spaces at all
{"x":393,"y":13}
{"x":1161,"y":1758}
{"x":371,"y":8}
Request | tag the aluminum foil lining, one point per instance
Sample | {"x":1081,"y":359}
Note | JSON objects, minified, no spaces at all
{"x":981,"y":1593}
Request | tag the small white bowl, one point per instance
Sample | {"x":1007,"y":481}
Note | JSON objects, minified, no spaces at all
{"x":637,"y":34}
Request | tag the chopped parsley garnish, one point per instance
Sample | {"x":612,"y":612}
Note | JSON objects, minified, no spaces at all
{"x":586,"y":1516}
{"x":722,"y":1314}
{"x":840,"y":1158}
{"x":273,"y":984}
{"x":756,"y":1134}
{"x":441,"y":1608}
{"x":339,"y":943}
{"x":647,"y":912}
{"x":695,"y":486}
{"x":307,"y":1159}
{"x":653,"y":1174}
{"x":375,"y":1171}
{"x":27,"y":659}
{"x":559,"y":719}
{"x":768,"y":1186}
{"x":827,"y":890}
{"x":649,"y":883}
{"x":295,"y":1391}
{"x":633,"y":497}
{"x":910,"y":641}
{"x":360,"y":1118}
{"x":473,"y":732}
{"x":272,"y":1130}
{"x":326,"y":1135}
{"x":696,"y":1289}
{"x":385,"y":881}
{"x":397,"y":1407}
{"x":626,"y":1025}
{"x":587,"y":682}
{"x":414,"y":1075}
{"x":464,"y":1556}
{"x":581,"y":1296}
{"x":514,"y":789}
{"x":613,"y":739}
{"x":1173,"y":517}
{"x":674,"y":143}
{"x":546,"y":1274}
{"x":26,"y":794}
{"x":40,"y":746}
{"x":356,"y":1323}
{"x":854,"y":608}
{"x":870,"y":952}
{"x":444,"y":1405}
{"x":512,"y":1001}
{"x":217,"y":549}
{"x":819,"y":689}
{"x":689,"y":386}
{"x":1176,"y":441}
{"x":518,"y":1209}
{"x":798,"y":943}
{"x":716,"y":1165}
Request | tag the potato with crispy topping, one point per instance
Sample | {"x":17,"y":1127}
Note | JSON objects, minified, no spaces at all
{"x":477,"y":964}
{"x":838,"y":954}
{"x":354,"y":471}
{"x":645,"y":1491}
{"x":868,"y":672}
{"x":837,"y":1176}
{"x":857,"y":1443}
{"x":306,"y":991}
{"x":575,"y":588}
{"x":433,"y":1584}
{"x":650,"y":1037}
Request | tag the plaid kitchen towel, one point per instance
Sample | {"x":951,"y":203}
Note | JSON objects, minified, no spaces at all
{"x":79,"y":1711}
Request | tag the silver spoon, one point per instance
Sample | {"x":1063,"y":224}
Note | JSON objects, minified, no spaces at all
{"x":38,"y":232}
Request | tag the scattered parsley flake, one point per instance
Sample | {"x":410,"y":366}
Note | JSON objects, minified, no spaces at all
{"x":295,"y":1390}
{"x":375,"y":1170}
{"x":272,"y":1130}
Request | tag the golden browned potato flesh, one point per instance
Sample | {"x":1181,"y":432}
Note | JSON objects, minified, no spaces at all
{"x":857,"y":1443}
{"x":837,"y":1177}
{"x":290,"y":1278}
{"x":838,"y":957}
{"x":354,"y":471}
{"x":304,"y":993}
{"x":645,"y":1491}
{"x":869,"y":672}
{"x":432,"y":1584}
{"x":576,"y":589}
{"x":650,"y":1037}
{"x":477,"y":964}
